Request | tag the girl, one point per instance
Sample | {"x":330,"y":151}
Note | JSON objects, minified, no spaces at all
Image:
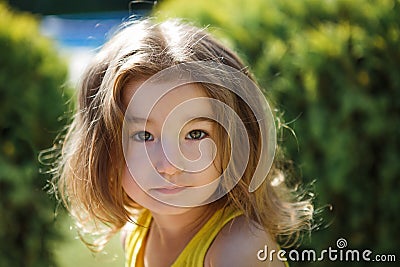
{"x":173,"y":143}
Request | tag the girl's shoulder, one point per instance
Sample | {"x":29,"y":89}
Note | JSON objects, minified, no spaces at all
{"x":238,"y":244}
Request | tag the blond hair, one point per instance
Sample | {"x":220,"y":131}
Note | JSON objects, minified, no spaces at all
{"x":88,"y":171}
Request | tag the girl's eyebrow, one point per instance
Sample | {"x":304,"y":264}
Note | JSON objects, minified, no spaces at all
{"x":133,"y":119}
{"x":200,"y":119}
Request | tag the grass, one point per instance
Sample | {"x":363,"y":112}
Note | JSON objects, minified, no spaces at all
{"x":71,"y":252}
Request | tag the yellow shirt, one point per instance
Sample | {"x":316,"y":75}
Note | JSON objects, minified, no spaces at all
{"x":195,"y":251}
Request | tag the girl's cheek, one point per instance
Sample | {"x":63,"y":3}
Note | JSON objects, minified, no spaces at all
{"x":137,"y":164}
{"x":129,"y":184}
{"x":198,"y":155}
{"x":190,"y":150}
{"x":133,"y":190}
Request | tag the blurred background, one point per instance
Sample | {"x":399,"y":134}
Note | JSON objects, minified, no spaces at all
{"x":331,"y":68}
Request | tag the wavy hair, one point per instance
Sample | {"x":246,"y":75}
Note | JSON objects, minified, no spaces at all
{"x":87,"y":170}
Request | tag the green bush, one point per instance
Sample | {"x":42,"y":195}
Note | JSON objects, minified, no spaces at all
{"x":334,"y":68}
{"x":31,"y":105}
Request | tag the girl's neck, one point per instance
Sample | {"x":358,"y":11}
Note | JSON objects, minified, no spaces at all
{"x":174,"y":227}
{"x":170,"y":234}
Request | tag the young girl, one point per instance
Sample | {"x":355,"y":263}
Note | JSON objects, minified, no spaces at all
{"x":174,"y":144}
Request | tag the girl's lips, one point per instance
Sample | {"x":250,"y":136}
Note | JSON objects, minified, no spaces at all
{"x":169,"y":190}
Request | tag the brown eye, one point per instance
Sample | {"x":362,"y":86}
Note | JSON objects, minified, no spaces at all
{"x":143,"y":136}
{"x":196,"y":135}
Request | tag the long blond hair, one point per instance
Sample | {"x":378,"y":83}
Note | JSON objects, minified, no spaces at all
{"x":88,"y":170}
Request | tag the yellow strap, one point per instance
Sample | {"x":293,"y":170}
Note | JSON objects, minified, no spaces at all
{"x":194,"y":253}
{"x":134,"y":242}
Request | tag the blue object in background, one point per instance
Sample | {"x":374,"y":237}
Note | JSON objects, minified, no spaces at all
{"x":79,"y":35}
{"x":91,"y":30}
{"x":82,"y":30}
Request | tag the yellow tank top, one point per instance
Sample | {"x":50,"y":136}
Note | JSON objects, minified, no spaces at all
{"x":195,"y":251}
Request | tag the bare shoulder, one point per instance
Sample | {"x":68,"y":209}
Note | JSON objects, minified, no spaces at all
{"x":238,"y":244}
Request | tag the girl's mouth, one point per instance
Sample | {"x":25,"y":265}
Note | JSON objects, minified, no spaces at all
{"x":169,"y":190}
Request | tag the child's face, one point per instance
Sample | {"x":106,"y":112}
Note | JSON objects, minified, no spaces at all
{"x":170,"y":151}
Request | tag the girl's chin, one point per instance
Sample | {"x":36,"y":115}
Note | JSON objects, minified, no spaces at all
{"x":166,"y":209}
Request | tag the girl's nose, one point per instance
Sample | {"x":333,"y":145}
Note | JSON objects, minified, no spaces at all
{"x":165,"y":161}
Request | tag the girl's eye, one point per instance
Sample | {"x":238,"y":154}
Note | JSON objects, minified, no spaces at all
{"x":143,"y":136}
{"x":196,"y":135}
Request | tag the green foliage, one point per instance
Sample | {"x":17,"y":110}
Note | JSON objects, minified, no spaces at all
{"x":31,"y":103}
{"x":333,"y":65}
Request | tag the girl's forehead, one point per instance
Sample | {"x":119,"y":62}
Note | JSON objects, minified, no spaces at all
{"x":185,"y":101}
{"x":139,"y":89}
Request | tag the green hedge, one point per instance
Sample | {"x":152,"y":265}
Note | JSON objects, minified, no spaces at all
{"x":334,"y":68}
{"x":31,"y":105}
